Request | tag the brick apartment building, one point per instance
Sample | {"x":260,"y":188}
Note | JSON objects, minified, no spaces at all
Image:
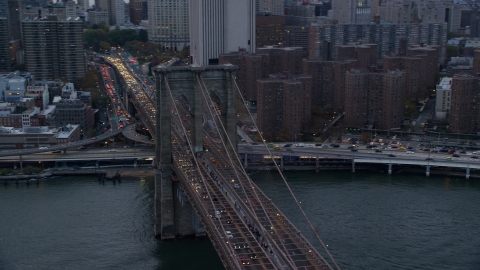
{"x":284,"y":104}
{"x":464,"y":107}
{"x":267,"y":60}
{"x":364,"y":54}
{"x":373,"y":98}
{"x":269,"y":30}
{"x":476,"y":62}
{"x":328,"y":81}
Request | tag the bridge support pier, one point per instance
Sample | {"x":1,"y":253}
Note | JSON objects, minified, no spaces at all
{"x":353,"y":166}
{"x":467,"y":175}
{"x":389,"y":168}
{"x":164,"y":209}
{"x":186,"y":220}
{"x":427,"y":173}
{"x":21,"y":164}
{"x":317,"y":164}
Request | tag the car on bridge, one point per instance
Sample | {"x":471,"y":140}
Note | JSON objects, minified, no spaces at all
{"x":229,"y":234}
{"x":57,"y":152}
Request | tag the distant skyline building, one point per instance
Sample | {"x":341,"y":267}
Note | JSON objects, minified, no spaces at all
{"x":83,"y":4}
{"x":274,"y":7}
{"x":220,"y":26}
{"x":135,"y":10}
{"x":168,"y":23}
{"x":351,"y":11}
{"x":117,"y":12}
{"x":54,"y":48}
{"x":324,"y":39}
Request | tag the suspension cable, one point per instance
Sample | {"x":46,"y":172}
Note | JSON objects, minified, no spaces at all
{"x":209,"y":101}
{"x":285,"y":181}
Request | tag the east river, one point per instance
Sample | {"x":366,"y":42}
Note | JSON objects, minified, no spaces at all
{"x":368,"y":221}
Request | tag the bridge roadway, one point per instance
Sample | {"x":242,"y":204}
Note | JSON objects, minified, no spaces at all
{"x":211,"y":187}
{"x":261,"y":237}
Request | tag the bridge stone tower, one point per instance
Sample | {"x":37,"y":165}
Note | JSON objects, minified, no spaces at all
{"x":185,"y":82}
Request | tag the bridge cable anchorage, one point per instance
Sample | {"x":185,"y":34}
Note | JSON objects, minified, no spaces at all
{"x":285,"y":181}
{"x":243,"y":173}
{"x":204,"y":180}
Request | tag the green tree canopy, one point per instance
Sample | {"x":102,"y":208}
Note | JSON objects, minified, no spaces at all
{"x":143,"y":35}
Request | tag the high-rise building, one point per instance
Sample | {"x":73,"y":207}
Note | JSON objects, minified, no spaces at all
{"x":5,"y":63}
{"x":9,"y":33}
{"x":374,"y":98}
{"x":351,"y":11}
{"x":390,"y":38}
{"x":267,"y":60}
{"x":464,"y":108}
{"x":117,"y":12}
{"x":270,"y":30}
{"x":168,"y":23}
{"x":102,"y":5}
{"x":220,"y":26}
{"x":408,"y":11}
{"x":297,"y":36}
{"x":83,"y":4}
{"x":136,"y":9}
{"x":328,"y":83}
{"x":284,"y":104}
{"x":274,"y":7}
{"x":476,"y":62}
{"x":54,"y":48}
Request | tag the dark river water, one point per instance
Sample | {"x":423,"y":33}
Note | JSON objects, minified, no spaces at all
{"x":368,"y":221}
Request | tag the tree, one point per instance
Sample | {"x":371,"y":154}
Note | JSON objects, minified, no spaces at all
{"x":5,"y":171}
{"x":92,"y":133}
{"x":410,"y":109}
{"x":105,"y":46}
{"x":452,"y":51}
{"x":143,"y":35}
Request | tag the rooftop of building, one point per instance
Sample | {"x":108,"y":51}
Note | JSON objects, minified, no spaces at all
{"x":445,"y":84}
{"x":27,"y":130}
{"x":66,"y":132}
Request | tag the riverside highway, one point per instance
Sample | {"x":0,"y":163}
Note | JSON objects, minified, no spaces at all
{"x":362,"y":153}
{"x":87,"y":154}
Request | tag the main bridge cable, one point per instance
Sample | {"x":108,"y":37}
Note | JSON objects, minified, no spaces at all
{"x":196,"y":164}
{"x":242,"y":169}
{"x":243,"y":172}
{"x":285,"y":181}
